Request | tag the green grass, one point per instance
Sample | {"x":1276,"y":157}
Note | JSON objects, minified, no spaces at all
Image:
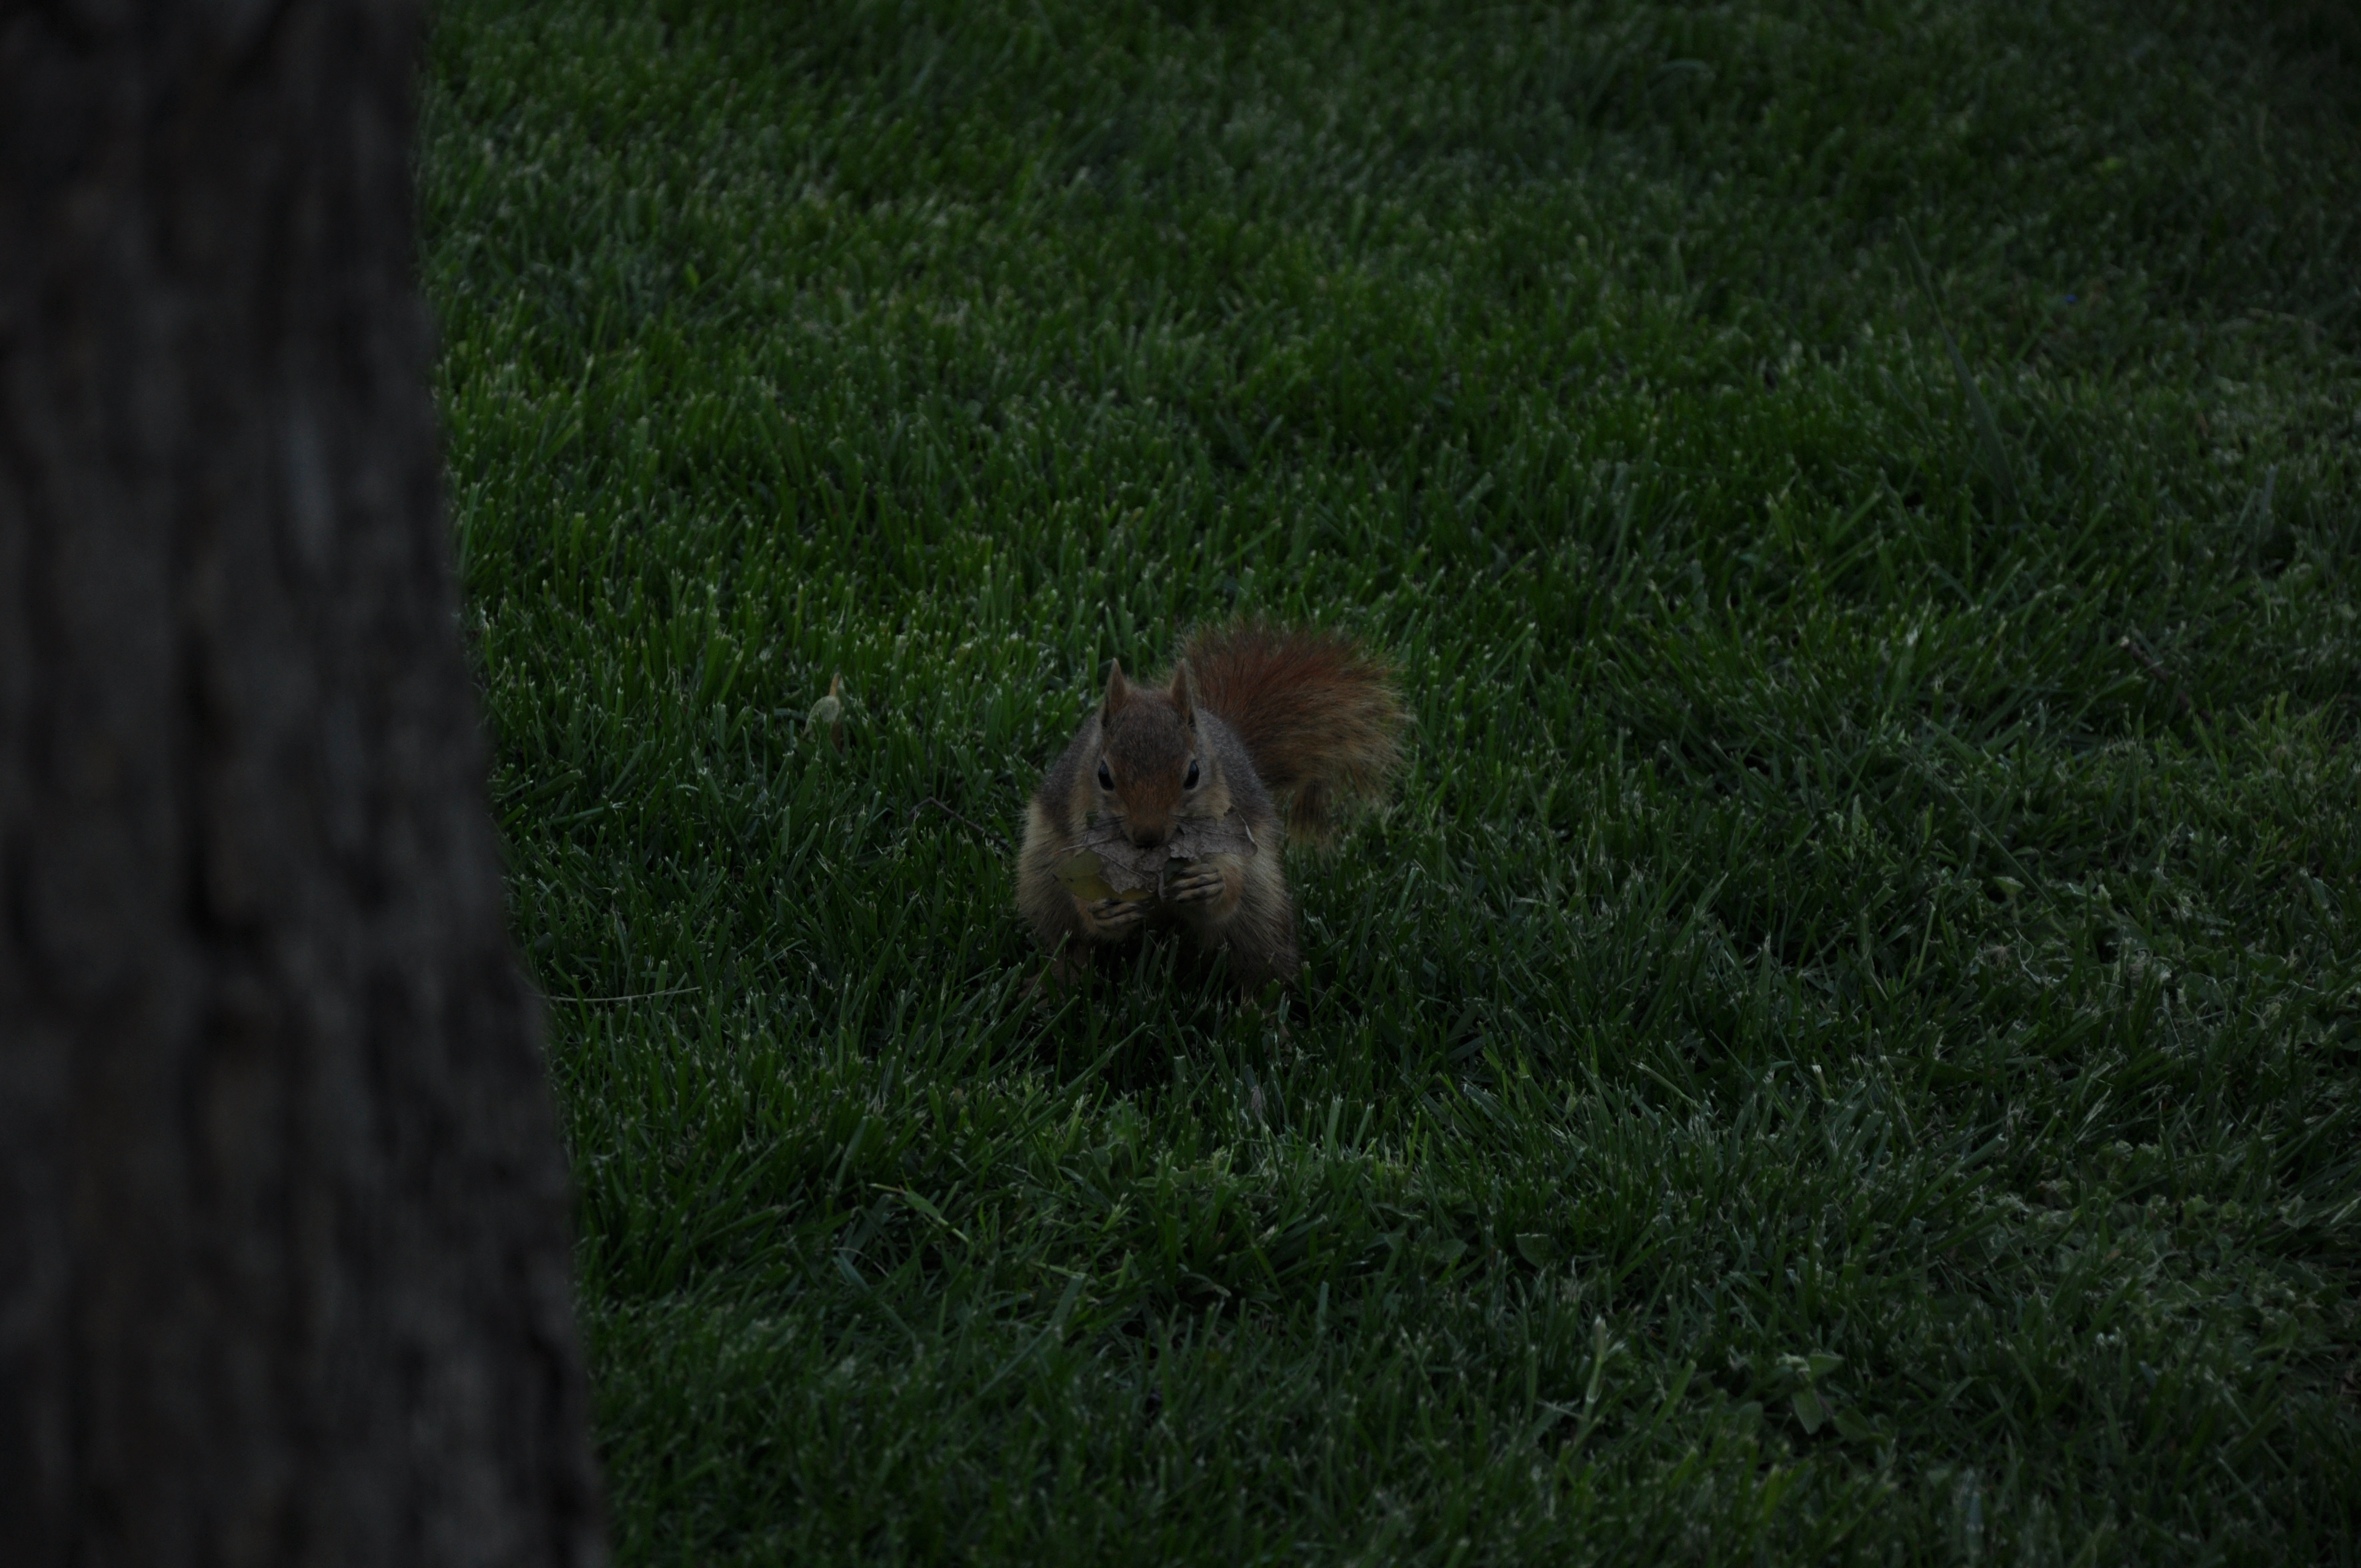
{"x":1848,"y":1045}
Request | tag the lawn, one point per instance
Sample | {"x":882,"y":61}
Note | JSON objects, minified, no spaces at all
{"x":1846,"y":1045}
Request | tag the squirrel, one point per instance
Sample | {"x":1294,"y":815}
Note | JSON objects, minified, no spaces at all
{"x":1253,"y":717}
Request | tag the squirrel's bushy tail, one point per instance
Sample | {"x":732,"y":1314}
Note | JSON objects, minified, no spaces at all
{"x":1319,"y":717}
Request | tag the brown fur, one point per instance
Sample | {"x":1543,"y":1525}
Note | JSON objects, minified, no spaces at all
{"x":1318,"y":715}
{"x":1261,"y":710}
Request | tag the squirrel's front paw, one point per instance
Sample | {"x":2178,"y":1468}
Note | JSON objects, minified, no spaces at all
{"x":1196,"y":887}
{"x":1110,"y":918}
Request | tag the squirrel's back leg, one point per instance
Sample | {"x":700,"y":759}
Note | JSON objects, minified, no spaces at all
{"x":1068,"y":932}
{"x":1041,"y":898}
{"x":1260,"y":935}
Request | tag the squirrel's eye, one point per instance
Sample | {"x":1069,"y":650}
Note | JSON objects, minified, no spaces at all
{"x":1191,"y":781}
{"x":1106,"y":779}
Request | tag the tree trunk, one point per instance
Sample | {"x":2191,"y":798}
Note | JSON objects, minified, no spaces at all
{"x":284,"y":1264}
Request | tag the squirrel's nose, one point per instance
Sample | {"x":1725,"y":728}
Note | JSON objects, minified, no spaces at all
{"x":1147,"y":835}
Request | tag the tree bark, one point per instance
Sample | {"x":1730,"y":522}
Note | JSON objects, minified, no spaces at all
{"x":284,"y":1264}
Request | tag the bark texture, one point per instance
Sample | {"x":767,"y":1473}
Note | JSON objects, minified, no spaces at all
{"x":284,"y":1264}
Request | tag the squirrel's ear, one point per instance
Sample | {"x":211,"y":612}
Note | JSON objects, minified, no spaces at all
{"x":1185,"y":695}
{"x":1118,"y":690}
